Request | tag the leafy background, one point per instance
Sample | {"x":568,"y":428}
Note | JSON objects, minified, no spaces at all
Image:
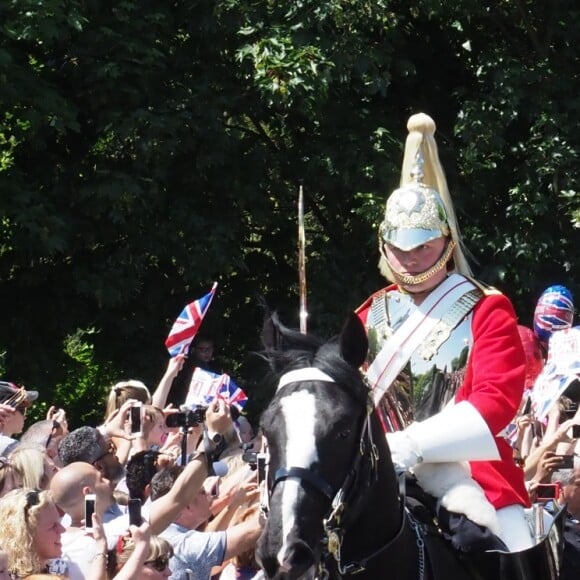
{"x":147,"y":149}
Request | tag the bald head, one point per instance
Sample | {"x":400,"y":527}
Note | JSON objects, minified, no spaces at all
{"x":71,"y":483}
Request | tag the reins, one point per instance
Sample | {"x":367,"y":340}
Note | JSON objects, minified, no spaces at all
{"x":363,"y":471}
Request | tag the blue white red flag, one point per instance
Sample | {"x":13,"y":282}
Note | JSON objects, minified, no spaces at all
{"x":232,"y":394}
{"x":188,"y":323}
{"x":206,"y":386}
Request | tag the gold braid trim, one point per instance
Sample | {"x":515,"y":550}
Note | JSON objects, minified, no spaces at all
{"x":409,"y":280}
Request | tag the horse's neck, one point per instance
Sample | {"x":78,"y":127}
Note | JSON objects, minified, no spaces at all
{"x":379,"y":518}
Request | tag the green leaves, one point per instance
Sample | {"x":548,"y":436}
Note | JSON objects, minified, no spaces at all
{"x":148,"y":149}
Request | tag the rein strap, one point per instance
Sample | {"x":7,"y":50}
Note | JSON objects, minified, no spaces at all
{"x":304,"y":474}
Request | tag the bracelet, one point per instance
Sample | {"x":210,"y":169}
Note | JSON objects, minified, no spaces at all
{"x":103,"y":554}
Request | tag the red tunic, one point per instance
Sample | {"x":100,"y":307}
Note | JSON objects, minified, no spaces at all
{"x":493,"y":384}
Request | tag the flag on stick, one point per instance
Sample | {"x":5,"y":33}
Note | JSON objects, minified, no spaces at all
{"x":188,"y":323}
{"x":206,"y":386}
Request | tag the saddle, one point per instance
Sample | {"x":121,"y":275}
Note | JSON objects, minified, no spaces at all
{"x":455,"y":547}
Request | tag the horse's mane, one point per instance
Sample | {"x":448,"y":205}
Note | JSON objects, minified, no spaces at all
{"x":293,"y":350}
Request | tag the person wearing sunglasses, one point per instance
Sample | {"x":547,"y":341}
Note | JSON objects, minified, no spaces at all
{"x":140,"y":555}
{"x":14,"y":402}
{"x":30,"y":532}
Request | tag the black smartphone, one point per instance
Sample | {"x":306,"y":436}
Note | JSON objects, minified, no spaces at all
{"x":90,"y":503}
{"x":570,"y":412}
{"x":135,"y":418}
{"x":135,"y":517}
{"x":575,"y":431}
{"x":527,"y":406}
{"x":546,"y":491}
{"x":261,"y":461}
{"x":567,"y":461}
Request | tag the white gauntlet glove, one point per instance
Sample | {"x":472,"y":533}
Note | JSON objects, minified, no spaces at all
{"x":456,"y":491}
{"x":405,"y":452}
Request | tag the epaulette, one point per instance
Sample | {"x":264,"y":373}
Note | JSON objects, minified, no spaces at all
{"x":485,"y":288}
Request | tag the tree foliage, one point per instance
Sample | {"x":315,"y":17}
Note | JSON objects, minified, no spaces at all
{"x":147,"y":149}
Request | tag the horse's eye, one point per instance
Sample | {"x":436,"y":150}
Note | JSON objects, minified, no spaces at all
{"x":344,"y":434}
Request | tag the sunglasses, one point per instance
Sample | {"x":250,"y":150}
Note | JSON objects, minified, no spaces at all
{"x":159,"y":563}
{"x":111,"y":450}
{"x":32,"y":499}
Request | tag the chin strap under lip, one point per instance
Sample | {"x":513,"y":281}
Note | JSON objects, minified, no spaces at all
{"x":410,"y":280}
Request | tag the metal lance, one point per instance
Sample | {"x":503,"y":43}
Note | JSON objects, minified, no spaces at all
{"x":302,"y":262}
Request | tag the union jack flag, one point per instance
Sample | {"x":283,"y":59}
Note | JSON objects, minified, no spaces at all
{"x":206,"y":386}
{"x":232,"y":394}
{"x":188,"y":323}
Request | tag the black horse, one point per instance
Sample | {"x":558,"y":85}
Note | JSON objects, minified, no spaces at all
{"x":335,"y":501}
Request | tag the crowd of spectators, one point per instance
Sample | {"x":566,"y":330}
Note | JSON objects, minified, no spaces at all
{"x":196,"y":497}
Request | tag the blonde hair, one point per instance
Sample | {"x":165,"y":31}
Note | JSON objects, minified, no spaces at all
{"x":28,"y":460}
{"x":123,"y":391}
{"x":9,"y":475}
{"x":421,"y":136}
{"x":19,"y":511}
{"x":158,"y":547}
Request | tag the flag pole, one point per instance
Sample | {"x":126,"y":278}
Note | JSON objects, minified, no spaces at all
{"x":302,"y":262}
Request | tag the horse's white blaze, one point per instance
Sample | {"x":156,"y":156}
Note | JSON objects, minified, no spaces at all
{"x":299,"y":413}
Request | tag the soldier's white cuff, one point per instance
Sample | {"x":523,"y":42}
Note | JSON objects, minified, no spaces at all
{"x":458,"y":433}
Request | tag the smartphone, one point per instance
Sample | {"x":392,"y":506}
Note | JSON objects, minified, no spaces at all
{"x":567,"y":461}
{"x":90,"y":503}
{"x":135,"y":418}
{"x":547,"y":491}
{"x":261,"y":462}
{"x":570,"y":412}
{"x":527,"y":407}
{"x":135,"y":518}
{"x":575,"y":431}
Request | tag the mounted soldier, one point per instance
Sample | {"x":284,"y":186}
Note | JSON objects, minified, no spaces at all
{"x":445,"y":361}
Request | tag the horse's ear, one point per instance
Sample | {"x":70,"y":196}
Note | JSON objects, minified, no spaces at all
{"x":271,"y":332}
{"x":354,"y":343}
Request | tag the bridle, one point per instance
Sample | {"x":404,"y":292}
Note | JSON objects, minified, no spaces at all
{"x":347,"y":501}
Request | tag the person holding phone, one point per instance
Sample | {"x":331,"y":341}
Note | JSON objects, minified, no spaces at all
{"x":81,"y":491}
{"x":141,"y":555}
{"x":15,"y":402}
{"x":568,"y":482}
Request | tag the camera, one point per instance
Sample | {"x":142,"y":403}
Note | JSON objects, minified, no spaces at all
{"x":547,"y":491}
{"x":190,"y":418}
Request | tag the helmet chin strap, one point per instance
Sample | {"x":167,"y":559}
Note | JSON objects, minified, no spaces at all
{"x":410,"y":280}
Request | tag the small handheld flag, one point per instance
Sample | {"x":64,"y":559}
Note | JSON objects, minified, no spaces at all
{"x":206,"y":386}
{"x":188,"y":323}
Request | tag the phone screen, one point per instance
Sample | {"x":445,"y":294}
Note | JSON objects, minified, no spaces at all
{"x":135,"y":518}
{"x":547,"y":491}
{"x":567,"y":461}
{"x":90,"y":502}
{"x":261,"y":461}
{"x":136,"y":419}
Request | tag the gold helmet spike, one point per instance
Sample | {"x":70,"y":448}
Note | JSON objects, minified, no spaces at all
{"x":420,"y":210}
